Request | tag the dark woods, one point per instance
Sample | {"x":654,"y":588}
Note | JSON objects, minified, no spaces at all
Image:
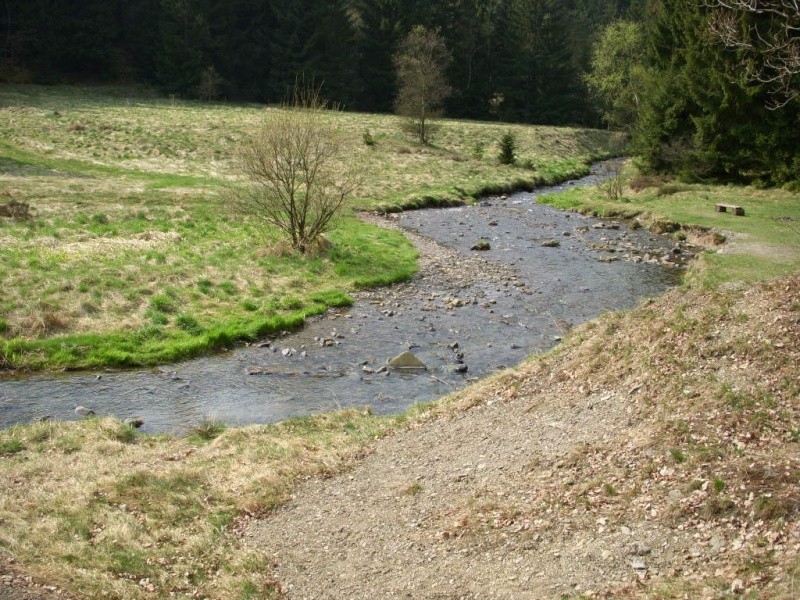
{"x":709,"y":89}
{"x":515,"y":60}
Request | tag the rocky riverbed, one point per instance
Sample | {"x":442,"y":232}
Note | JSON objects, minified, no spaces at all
{"x":466,"y":314}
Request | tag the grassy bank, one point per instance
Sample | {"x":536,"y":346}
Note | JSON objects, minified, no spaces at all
{"x":130,"y":257}
{"x":763,"y":244}
{"x":104,"y":512}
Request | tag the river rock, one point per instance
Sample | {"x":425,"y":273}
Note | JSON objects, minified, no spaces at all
{"x":407,"y":361}
{"x":83,"y":411}
{"x":481,"y":246}
{"x":551,"y":244}
{"x":638,"y":565}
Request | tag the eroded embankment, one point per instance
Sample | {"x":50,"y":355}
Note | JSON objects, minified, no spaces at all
{"x":656,"y":453}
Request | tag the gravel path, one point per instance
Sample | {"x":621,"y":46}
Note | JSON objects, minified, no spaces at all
{"x":407,"y":521}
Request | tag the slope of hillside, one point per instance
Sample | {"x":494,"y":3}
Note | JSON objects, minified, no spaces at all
{"x":655,"y":454}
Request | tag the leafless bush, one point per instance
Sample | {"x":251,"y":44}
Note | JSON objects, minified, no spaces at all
{"x":16,"y":210}
{"x":293,"y":178}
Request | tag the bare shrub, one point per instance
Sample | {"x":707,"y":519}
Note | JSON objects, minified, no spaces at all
{"x":293,"y":177}
{"x":15,"y":210}
{"x":614,"y":188}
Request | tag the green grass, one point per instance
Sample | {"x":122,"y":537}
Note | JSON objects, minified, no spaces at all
{"x":133,"y":256}
{"x":762,"y":245}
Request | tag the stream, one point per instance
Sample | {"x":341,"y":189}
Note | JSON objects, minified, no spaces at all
{"x":465,"y":315}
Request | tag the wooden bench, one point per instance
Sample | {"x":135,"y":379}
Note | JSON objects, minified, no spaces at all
{"x":737,"y":210}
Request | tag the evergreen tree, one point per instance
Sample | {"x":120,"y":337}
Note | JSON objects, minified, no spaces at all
{"x":138,"y":40}
{"x":548,"y":86}
{"x":465,"y":26}
{"x":313,"y":41}
{"x":699,"y":120}
{"x":185,"y":41}
{"x":379,"y":28}
{"x":241,"y":36}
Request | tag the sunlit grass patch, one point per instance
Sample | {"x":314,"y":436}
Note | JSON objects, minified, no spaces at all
{"x":763,"y":244}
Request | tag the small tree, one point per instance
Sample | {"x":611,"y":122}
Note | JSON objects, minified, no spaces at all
{"x":508,"y":149}
{"x":294,"y":176}
{"x":421,"y":62}
{"x":208,"y":86}
{"x":618,"y":75}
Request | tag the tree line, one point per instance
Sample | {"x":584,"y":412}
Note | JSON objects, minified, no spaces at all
{"x":513,"y":60}
{"x":706,"y":88}
{"x":709,"y":89}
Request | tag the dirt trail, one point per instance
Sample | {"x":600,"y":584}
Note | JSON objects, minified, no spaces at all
{"x":408,"y":521}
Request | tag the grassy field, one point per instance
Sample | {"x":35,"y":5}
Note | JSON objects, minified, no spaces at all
{"x":124,"y":515}
{"x":131,"y":257}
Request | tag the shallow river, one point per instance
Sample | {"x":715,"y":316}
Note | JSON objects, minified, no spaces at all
{"x":485,"y":310}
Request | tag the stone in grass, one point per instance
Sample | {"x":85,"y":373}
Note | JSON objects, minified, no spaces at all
{"x":482,"y":246}
{"x":407,"y":362}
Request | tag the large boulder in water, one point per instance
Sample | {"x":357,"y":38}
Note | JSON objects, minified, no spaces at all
{"x":83,"y":411}
{"x":407,"y":362}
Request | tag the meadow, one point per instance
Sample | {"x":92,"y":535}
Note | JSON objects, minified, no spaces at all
{"x":131,"y":255}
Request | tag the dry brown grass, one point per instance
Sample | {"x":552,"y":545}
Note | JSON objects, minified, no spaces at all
{"x":96,"y":509}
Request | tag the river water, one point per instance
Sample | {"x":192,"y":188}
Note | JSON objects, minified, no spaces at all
{"x":460,"y":313}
